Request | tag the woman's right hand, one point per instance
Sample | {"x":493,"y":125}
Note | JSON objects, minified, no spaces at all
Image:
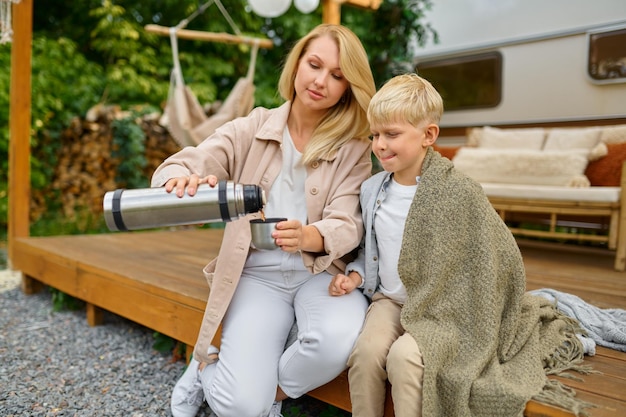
{"x":189,"y":183}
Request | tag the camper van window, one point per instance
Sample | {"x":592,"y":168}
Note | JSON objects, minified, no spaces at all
{"x":607,"y":56}
{"x":468,"y":82}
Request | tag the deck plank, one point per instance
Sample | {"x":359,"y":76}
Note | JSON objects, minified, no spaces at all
{"x":155,"y":279}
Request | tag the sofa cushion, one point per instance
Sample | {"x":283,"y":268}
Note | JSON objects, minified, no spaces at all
{"x":607,"y":171}
{"x":575,"y":138}
{"x":552,"y":192}
{"x":521,"y":166}
{"x":496,"y":138}
{"x":613,"y":134}
{"x":473,"y":136}
{"x":572,"y":138}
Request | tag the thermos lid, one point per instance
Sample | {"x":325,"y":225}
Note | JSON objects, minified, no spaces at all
{"x":253,"y":198}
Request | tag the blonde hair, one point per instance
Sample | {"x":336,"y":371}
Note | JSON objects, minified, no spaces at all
{"x":348,"y":118}
{"x":407,"y":98}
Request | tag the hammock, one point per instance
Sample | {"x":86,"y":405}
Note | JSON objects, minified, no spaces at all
{"x":184,"y":117}
{"x":6,"y":31}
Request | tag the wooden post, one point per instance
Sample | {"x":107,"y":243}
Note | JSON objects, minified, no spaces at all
{"x":20,"y":123}
{"x":95,"y":315}
{"x":620,"y":251}
{"x":331,"y":11}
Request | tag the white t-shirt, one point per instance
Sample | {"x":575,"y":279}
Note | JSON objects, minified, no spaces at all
{"x":286,"y":199}
{"x":389,"y":221}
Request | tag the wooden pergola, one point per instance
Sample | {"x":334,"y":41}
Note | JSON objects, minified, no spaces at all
{"x":20,"y":110}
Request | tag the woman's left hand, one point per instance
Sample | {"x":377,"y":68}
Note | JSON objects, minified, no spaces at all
{"x":288,"y":235}
{"x":292,"y":237}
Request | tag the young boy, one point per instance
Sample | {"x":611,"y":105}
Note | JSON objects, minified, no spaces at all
{"x":446,"y":280}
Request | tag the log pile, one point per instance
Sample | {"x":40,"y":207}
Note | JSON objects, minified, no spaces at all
{"x":86,"y":169}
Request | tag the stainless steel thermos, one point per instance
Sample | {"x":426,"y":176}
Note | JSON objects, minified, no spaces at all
{"x":147,"y":208}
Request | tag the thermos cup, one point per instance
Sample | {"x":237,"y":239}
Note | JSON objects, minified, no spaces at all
{"x":147,"y":208}
{"x":261,"y":230}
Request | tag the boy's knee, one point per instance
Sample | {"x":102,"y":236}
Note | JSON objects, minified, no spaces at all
{"x":369,"y":351}
{"x":404,"y":355}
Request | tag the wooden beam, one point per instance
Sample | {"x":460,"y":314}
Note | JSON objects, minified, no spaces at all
{"x":210,"y":36}
{"x":366,"y":4}
{"x":20,"y":123}
{"x":331,"y":9}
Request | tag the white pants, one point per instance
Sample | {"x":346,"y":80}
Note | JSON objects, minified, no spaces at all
{"x":253,"y":360}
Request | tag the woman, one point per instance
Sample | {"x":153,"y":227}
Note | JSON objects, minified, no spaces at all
{"x":310,"y":155}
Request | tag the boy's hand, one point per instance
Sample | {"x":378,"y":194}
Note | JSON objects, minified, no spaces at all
{"x":343,"y":284}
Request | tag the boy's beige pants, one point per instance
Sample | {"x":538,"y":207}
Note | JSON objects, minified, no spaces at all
{"x":385,"y":351}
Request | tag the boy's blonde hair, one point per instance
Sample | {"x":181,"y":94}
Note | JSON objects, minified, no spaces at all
{"x":347,"y":119}
{"x":405,"y":98}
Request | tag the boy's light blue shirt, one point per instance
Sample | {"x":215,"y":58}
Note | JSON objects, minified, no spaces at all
{"x":373,"y":192}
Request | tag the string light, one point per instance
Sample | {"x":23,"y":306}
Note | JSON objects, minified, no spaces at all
{"x":275,"y":8}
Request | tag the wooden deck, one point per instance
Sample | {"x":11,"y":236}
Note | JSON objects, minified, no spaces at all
{"x":155,"y":278}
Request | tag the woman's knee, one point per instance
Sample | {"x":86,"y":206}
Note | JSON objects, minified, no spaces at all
{"x":232,"y":396}
{"x":333,"y":348}
{"x":233,"y":404}
{"x":330,"y":336}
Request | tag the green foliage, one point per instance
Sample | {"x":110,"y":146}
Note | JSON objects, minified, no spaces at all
{"x":127,"y":59}
{"x":302,"y":408}
{"x":3,"y":256}
{"x":64,"y":84}
{"x":129,"y":150}
{"x":162,"y":343}
{"x":390,"y":34}
{"x":167,"y":345}
{"x":4,"y":207}
{"x":62,"y":301}
{"x":52,"y":223}
{"x":137,"y":63}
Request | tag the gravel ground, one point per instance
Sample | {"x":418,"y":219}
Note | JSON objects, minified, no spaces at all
{"x":55,"y":364}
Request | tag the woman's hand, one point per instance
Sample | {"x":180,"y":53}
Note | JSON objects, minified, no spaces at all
{"x":190,"y":183}
{"x":292,"y":237}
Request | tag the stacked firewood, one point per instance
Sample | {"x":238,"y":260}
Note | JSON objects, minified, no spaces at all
{"x":86,"y":169}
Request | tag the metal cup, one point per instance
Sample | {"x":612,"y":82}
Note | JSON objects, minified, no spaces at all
{"x":262,"y":232}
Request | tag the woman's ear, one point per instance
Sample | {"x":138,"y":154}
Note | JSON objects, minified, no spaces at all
{"x":431,"y":134}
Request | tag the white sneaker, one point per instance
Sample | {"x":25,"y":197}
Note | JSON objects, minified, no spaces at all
{"x":188,"y":395}
{"x":276,"y":409}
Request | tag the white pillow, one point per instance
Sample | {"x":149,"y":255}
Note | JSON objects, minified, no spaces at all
{"x":572,"y":138}
{"x":563,"y":168}
{"x":496,"y":138}
{"x":474,"y":134}
{"x":613,"y":134}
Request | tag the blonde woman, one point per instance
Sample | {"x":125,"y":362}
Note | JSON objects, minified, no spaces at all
{"x":310,"y":155}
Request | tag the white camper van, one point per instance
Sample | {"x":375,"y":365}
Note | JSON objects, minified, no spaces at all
{"x":526,"y":63}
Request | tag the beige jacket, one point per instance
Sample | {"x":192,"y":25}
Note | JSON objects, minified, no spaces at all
{"x":247,"y":151}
